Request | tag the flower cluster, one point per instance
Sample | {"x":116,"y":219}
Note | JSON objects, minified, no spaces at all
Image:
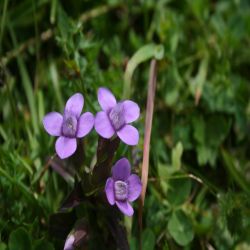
{"x":114,"y":120}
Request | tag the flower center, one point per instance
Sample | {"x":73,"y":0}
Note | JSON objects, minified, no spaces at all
{"x":121,"y":190}
{"x":69,"y":126}
{"x":116,"y":116}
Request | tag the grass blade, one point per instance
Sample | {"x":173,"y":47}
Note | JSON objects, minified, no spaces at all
{"x":147,"y":137}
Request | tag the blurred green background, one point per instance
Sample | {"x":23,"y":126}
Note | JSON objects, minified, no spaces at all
{"x":198,"y":194}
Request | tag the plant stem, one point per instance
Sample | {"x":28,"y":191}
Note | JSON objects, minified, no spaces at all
{"x":5,"y":5}
{"x":147,"y":137}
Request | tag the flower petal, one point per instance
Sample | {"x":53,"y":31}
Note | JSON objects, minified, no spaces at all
{"x":65,"y":146}
{"x":103,"y":126}
{"x":121,"y":170}
{"x":109,"y":190}
{"x":106,"y":99}
{"x":52,"y":123}
{"x":134,"y":187}
{"x":125,"y":207}
{"x":131,"y":111}
{"x":69,"y":243}
{"x":75,"y":104}
{"x":85,"y":124}
{"x":129,"y":135}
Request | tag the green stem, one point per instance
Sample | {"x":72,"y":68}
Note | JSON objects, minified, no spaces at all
{"x":5,"y":5}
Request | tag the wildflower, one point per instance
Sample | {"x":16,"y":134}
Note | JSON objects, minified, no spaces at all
{"x":69,"y":126}
{"x":69,"y":243}
{"x":123,"y":187}
{"x":115,"y":118}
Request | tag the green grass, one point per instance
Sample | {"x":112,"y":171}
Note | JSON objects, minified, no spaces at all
{"x":198,"y":189}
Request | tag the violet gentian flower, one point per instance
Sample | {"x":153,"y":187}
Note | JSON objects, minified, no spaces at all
{"x":69,"y":126}
{"x":123,"y":187}
{"x":69,"y":243}
{"x":115,"y":118}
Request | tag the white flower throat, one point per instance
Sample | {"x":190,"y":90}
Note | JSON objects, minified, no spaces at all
{"x":116,"y":116}
{"x":69,"y":125}
{"x":121,"y":190}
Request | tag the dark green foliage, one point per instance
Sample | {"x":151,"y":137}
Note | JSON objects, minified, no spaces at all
{"x":198,"y":194}
{"x":19,"y":239}
{"x":148,"y":239}
{"x":179,"y":191}
{"x":180,"y":228}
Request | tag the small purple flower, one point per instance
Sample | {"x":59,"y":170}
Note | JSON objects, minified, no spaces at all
{"x":123,"y":187}
{"x":69,"y":126}
{"x":69,"y":243}
{"x":115,"y":118}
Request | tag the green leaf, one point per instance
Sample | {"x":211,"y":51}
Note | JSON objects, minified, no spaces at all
{"x":148,"y":240}
{"x":209,"y":133}
{"x":179,"y":191}
{"x":230,"y":164}
{"x":197,"y":83}
{"x":206,"y":155}
{"x":163,"y":172}
{"x":159,"y":52}
{"x":143,"y":54}
{"x":19,"y":240}
{"x":172,"y":97}
{"x":65,"y":24}
{"x":217,"y":134}
{"x":2,"y":246}
{"x":199,"y":129}
{"x":176,"y":156}
{"x":42,"y":245}
{"x":180,"y":228}
{"x":182,"y":132}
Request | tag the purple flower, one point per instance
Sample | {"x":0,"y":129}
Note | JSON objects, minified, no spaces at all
{"x":69,"y":126}
{"x":69,"y":243}
{"x":115,"y":118}
{"x":123,"y":187}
